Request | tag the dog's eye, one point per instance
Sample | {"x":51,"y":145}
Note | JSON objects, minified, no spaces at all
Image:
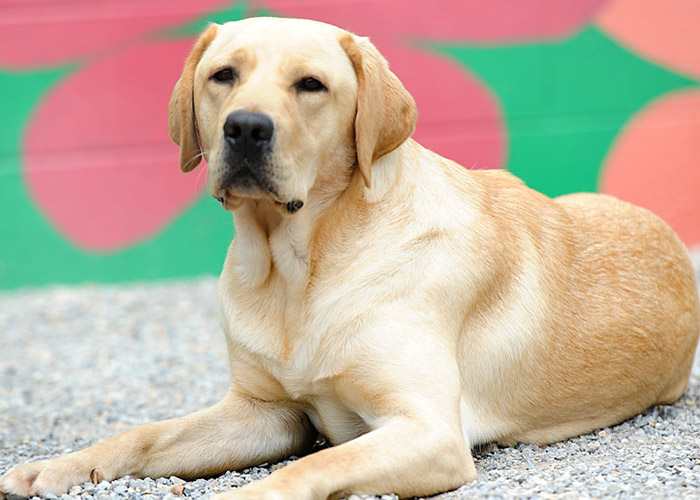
{"x":310,"y":84}
{"x":224,"y":76}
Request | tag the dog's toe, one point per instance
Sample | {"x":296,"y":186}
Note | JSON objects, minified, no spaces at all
{"x":39,"y":478}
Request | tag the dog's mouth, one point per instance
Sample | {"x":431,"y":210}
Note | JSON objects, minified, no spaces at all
{"x":245,"y":184}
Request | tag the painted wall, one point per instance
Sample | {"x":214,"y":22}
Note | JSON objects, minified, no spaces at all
{"x":570,"y":95}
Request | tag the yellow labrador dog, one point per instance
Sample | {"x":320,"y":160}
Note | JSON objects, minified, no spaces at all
{"x":385,"y":297}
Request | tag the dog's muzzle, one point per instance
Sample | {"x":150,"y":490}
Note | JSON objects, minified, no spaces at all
{"x":249,"y":138}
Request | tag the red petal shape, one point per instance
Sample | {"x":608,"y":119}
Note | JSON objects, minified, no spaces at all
{"x":467,"y":20}
{"x":98,"y":155}
{"x":654,"y":162}
{"x":45,"y":32}
{"x":666,"y":32}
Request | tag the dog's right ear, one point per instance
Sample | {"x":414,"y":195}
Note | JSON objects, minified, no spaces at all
{"x":182,"y":121}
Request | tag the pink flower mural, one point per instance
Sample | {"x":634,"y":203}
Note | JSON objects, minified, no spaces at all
{"x":100,"y":164}
{"x":654,"y":161}
{"x":665,"y":32}
{"x":98,"y":159}
{"x":97,"y":163}
{"x":67,"y":31}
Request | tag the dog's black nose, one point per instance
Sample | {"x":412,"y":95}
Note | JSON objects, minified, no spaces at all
{"x":248,"y":132}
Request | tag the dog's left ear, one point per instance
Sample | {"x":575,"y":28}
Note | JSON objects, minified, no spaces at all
{"x":386,"y":112}
{"x":182,"y":122}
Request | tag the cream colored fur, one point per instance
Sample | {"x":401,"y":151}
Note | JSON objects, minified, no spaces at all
{"x":411,"y":308}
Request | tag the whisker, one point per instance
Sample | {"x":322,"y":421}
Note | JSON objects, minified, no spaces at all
{"x":199,"y":155}
{"x":202,"y":170}
{"x":196,"y":182}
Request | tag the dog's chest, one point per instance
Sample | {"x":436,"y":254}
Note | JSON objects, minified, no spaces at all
{"x":295,"y":345}
{"x":288,"y":335}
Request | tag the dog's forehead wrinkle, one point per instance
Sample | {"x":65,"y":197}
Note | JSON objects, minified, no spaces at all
{"x":293,"y":66}
{"x":242,"y":54}
{"x":233,"y":56}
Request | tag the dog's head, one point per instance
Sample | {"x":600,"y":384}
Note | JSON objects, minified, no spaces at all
{"x":279,"y":107}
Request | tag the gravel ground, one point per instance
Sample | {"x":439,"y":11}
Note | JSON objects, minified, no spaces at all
{"x":78,"y":364}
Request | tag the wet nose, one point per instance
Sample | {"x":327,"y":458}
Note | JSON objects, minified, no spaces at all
{"x":248,"y":132}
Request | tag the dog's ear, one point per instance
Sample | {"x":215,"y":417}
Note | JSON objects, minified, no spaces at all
{"x":386,"y":112}
{"x":182,"y":122}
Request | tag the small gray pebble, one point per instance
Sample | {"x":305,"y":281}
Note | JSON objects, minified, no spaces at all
{"x":120,"y":489}
{"x":103,"y":485}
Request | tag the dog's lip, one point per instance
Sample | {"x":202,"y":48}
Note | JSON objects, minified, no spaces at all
{"x":227,"y":186}
{"x":231,"y":199}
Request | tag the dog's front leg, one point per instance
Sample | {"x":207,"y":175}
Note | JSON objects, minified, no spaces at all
{"x":236,"y":433}
{"x":410,"y":401}
{"x":406,"y":456}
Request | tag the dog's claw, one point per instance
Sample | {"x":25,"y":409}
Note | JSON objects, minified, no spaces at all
{"x":95,"y":477}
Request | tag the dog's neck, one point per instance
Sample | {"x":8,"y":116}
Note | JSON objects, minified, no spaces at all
{"x":268,"y":241}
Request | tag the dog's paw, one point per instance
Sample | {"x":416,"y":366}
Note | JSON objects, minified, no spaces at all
{"x":40,"y":478}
